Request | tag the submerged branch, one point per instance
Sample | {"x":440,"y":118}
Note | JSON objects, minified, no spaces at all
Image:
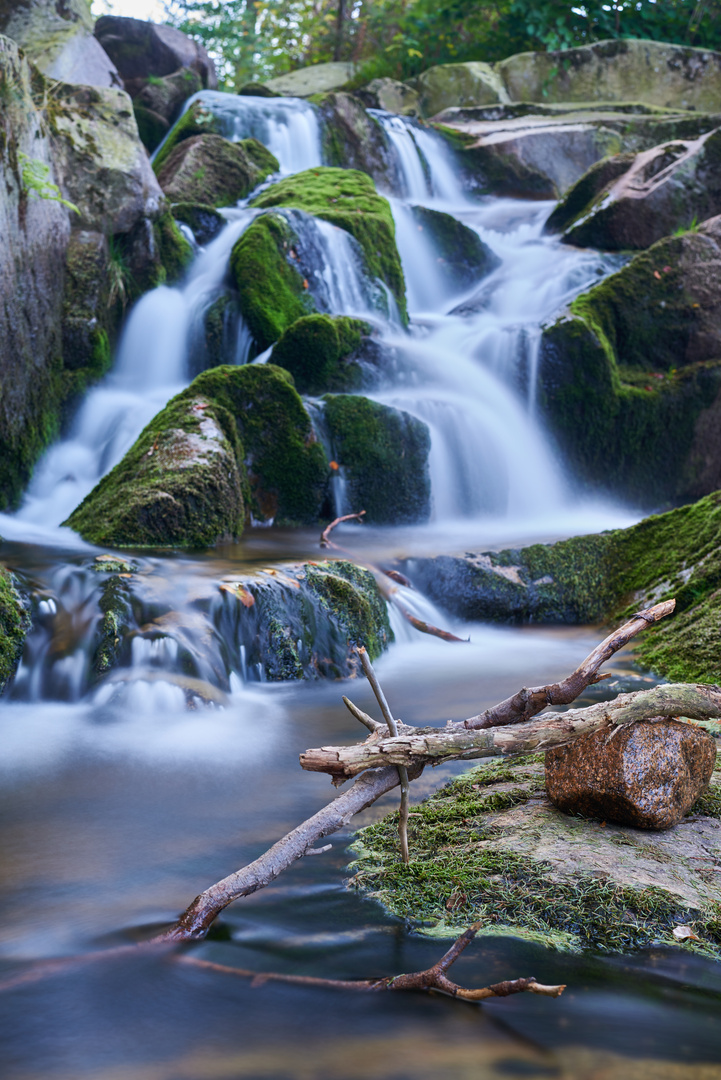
{"x":325,"y":540}
{"x":390,"y":593}
{"x":528,"y":702}
{"x":429,"y":746}
{"x":433,"y":978}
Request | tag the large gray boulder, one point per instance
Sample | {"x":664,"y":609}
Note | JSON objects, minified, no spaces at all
{"x":473,"y":83}
{"x":141,"y":49}
{"x":316,"y":79}
{"x":57,"y":36}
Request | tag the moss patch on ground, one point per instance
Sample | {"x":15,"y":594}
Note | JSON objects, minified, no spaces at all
{"x":384,"y":456}
{"x":14,"y":627}
{"x":317,"y":350}
{"x":489,"y":846}
{"x":346,"y":198}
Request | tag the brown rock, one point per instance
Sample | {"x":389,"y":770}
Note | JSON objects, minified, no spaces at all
{"x":647,"y":775}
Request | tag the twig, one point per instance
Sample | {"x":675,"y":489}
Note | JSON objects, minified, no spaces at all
{"x":364,"y":718}
{"x":393,"y":729}
{"x":527,"y":703}
{"x":390,"y":592}
{"x":433,"y":978}
{"x":434,"y":746}
{"x":325,"y":540}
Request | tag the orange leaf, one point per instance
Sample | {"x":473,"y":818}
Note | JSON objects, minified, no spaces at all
{"x":657,"y":275}
{"x":334,"y":465}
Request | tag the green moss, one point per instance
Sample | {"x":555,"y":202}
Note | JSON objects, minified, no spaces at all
{"x":349,"y":593}
{"x":272,"y":292}
{"x":14,"y":627}
{"x":287,"y":468}
{"x":384,"y":456}
{"x":115,"y":605}
{"x":346,"y":198}
{"x":316,"y":349}
{"x":461,"y":872}
{"x":580,"y":199}
{"x":197,"y":120}
{"x":261,"y":157}
{"x":204,"y":220}
{"x":174,"y":250}
{"x":152,"y":128}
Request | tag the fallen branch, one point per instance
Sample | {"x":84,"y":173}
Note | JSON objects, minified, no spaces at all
{"x":433,"y":978}
{"x":390,"y":593}
{"x":325,"y":540}
{"x":198,"y":916}
{"x":434,"y":746}
{"x":393,"y":730}
{"x":527,"y":703}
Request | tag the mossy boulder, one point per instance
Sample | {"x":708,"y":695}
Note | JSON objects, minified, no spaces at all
{"x":627,"y":373}
{"x":145,"y":50}
{"x":564,"y":882}
{"x":348,"y":199}
{"x":353,"y":139}
{"x":180,"y":484}
{"x":204,"y":221}
{"x":315,"y":79}
{"x":633,"y":203}
{"x":210,"y":169}
{"x":157,"y":103}
{"x":463,"y":258}
{"x":238,"y":444}
{"x":319,"y":352}
{"x":672,"y":76}
{"x":383,"y":454}
{"x":473,"y":83}
{"x":273,"y":293}
{"x":90,"y":318}
{"x":14,"y":626}
{"x":198,"y":119}
{"x":391,"y":96}
{"x":602,"y":577}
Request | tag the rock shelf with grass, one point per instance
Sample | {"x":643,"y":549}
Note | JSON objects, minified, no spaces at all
{"x":490,"y":846}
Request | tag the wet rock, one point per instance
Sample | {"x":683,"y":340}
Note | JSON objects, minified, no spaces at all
{"x":316,"y":79}
{"x":348,"y":199}
{"x":238,"y":442}
{"x":383,"y":455}
{"x":101,"y":163}
{"x":257,"y":89}
{"x":142,"y":49}
{"x":198,"y":119}
{"x":321,"y":353}
{"x":220,"y":335}
{"x":58,"y":39}
{"x":353,"y":139}
{"x":606,"y":578}
{"x":647,"y":775}
{"x":204,"y":221}
{"x":14,"y":627}
{"x":634,"y":358}
{"x":474,"y":83}
{"x":567,"y":883}
{"x":656,"y":193}
{"x":672,"y":76}
{"x":89,"y":314}
{"x":210,"y":169}
{"x":158,"y":103}
{"x":391,"y":96}
{"x":463,"y":258}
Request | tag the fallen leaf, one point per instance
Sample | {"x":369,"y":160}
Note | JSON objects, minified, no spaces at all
{"x":684,"y":933}
{"x":456,"y":900}
{"x":305,"y":283}
{"x":657,"y":275}
{"x":334,"y":465}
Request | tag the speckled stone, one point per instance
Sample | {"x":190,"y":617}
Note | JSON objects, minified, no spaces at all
{"x":647,"y":775}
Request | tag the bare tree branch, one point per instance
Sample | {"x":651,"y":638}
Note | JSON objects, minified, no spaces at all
{"x":434,"y":746}
{"x":325,"y":540}
{"x":433,"y":978}
{"x":527,"y":703}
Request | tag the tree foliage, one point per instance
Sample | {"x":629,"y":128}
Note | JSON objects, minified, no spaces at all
{"x":257,"y":39}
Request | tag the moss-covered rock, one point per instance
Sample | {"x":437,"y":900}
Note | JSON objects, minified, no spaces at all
{"x":383,"y":453}
{"x":607,"y":576}
{"x":237,"y":444}
{"x":198,"y":119}
{"x":58,"y":39}
{"x":210,"y":169}
{"x":348,"y":199}
{"x":90,"y":319}
{"x":672,"y":76}
{"x":353,"y":139}
{"x":174,"y":251}
{"x":204,"y":221}
{"x":633,"y":203}
{"x":491,"y":847}
{"x":626,"y":374}
{"x":273,"y":293}
{"x":474,"y":83}
{"x":157,"y":103}
{"x":314,"y":79}
{"x":318,"y":351}
{"x":391,"y":96}
{"x":180,"y":484}
{"x":14,"y":626}
{"x":463,"y":257}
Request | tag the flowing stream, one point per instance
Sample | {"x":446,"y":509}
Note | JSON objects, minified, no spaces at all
{"x":123,"y":798}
